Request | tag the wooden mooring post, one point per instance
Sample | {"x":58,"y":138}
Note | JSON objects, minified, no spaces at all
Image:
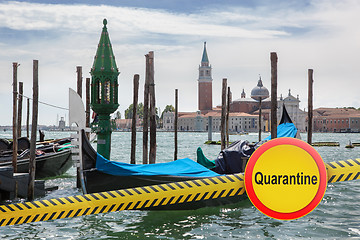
{"x":79,"y":80}
{"x":87,"y":107}
{"x":15,"y":94}
{"x":19,"y":114}
{"x":310,"y":105}
{"x":223,"y":113}
{"x":133,"y":123}
{"x":32,"y":162}
{"x":146,"y":111}
{"x":227,"y":115}
{"x":27,"y":117}
{"x":273,"y":59}
{"x":176,"y":125}
{"x":152,"y":152}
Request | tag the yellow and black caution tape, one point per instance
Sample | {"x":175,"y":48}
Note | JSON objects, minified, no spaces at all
{"x":343,"y":170}
{"x":127,"y":199}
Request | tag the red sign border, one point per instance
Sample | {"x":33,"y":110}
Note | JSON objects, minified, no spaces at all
{"x":249,"y":172}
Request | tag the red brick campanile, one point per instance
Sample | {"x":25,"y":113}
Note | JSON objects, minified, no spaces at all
{"x":205,"y":83}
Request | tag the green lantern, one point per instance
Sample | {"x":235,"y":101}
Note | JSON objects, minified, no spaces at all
{"x":104,"y":91}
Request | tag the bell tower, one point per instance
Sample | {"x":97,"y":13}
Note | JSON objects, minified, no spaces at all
{"x":205,"y":83}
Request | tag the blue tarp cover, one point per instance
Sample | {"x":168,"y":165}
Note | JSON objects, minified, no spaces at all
{"x":285,"y":130}
{"x":180,"y":167}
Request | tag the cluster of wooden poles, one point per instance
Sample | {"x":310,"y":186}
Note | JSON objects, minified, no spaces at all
{"x":17,"y":115}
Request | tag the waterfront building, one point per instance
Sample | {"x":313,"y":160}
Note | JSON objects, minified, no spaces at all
{"x":336,"y":120}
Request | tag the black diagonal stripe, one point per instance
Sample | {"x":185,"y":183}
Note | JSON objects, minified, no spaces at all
{"x":94,"y":210}
{"x":136,"y":191}
{"x":145,"y":189}
{"x":128,"y":206}
{"x":338,"y":180}
{"x":178,"y":200}
{"x":153,"y":203}
{"x":2,"y":209}
{"x":103,"y":195}
{"x":187,"y":198}
{"x":356,"y":161}
{"x":170,"y":186}
{"x":2,"y":221}
{"x":103,"y":209}
{"x":10,"y":208}
{"x":69,"y":213}
{"x":94,"y":196}
{"x":204,"y":182}
{"x":77,"y":199}
{"x":196,"y":183}
{"x":196,"y":196}
{"x":203,"y":197}
{"x":18,"y":220}
{"x":43,"y":217}
{"x":35,"y":204}
{"x":347,"y":178}
{"x":162,"y":201}
{"x":86,"y":211}
{"x":43,"y":203}
{"x":332,"y":178}
{"x":187,"y":184}
{"x":120,"y":193}
{"x":230,"y":179}
{"x":178,"y":184}
{"x":120,"y":206}
{"x":26,"y":219}
{"x":77,"y":212}
{"x":86,"y":198}
{"x":357,"y":175}
{"x":52,"y":202}
{"x":60,"y":215}
{"x":228,"y":194}
{"x":146,"y":202}
{"x":61,"y":201}
{"x":349,"y":163}
{"x":331,"y":165}
{"x":18,"y":206}
{"x":154,"y":189}
{"x":34,"y":219}
{"x":162,"y":188}
{"x":69,"y":200}
{"x":213,"y":180}
{"x":9,"y":222}
{"x":221,"y":180}
{"x":238,"y":191}
{"x":340,"y":164}
{"x":221,"y":193}
{"x":110,"y":209}
{"x":238,"y":177}
{"x":213,"y":194}
{"x":171,"y":199}
{"x":128,"y":192}
{"x":52,"y":215}
{"x":26,"y":205}
{"x":111,"y":194}
{"x":136,"y":204}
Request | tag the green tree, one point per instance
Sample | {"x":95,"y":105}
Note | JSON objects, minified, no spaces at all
{"x":168,"y":108}
{"x":139,"y":111}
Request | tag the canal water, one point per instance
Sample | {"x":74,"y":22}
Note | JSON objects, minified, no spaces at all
{"x":336,"y":217}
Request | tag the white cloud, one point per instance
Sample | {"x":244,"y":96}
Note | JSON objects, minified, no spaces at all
{"x":323,"y":36}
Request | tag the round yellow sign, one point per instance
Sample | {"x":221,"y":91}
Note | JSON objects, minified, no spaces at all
{"x":285,"y":178}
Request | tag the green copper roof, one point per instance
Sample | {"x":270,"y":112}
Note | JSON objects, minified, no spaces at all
{"x":104,"y":61}
{"x":205,"y":56}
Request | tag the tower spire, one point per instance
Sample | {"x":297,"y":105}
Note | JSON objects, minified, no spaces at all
{"x":205,"y":58}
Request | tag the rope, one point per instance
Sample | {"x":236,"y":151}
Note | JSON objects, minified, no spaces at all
{"x":48,"y":104}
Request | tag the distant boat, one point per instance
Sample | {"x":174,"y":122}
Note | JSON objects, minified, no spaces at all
{"x":350,"y":145}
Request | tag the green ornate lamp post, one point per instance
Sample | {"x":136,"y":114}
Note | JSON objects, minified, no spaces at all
{"x":104,"y":91}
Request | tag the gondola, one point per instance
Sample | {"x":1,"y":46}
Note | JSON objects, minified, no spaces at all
{"x":99,"y":174}
{"x":52,"y":159}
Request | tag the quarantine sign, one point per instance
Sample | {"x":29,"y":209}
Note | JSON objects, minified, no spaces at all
{"x":285,"y":178}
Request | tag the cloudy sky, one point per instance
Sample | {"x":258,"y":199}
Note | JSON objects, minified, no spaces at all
{"x":319,"y":34}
